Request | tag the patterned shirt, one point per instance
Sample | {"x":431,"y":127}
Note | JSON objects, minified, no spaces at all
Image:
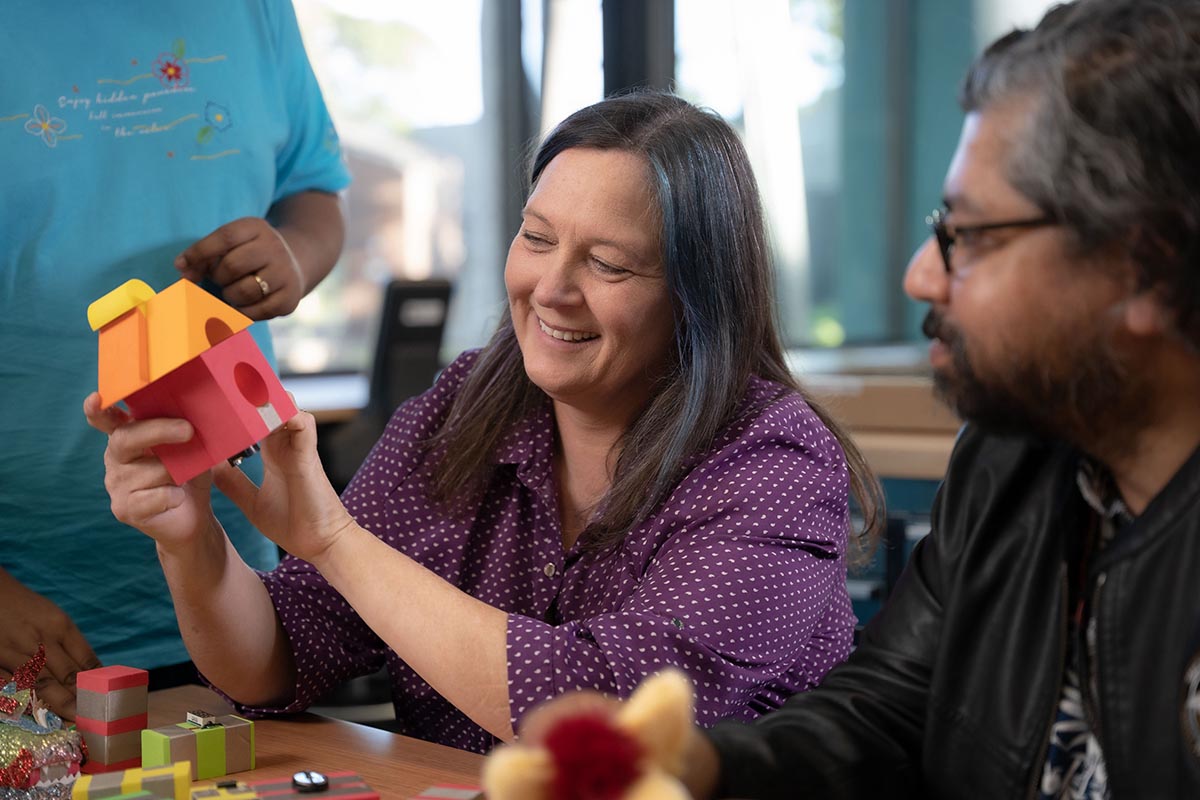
{"x":738,"y":577}
{"x":1075,"y":768}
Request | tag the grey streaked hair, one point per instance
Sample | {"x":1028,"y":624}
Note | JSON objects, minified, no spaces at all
{"x":1111,"y":144}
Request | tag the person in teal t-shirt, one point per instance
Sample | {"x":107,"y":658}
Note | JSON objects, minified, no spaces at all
{"x":139,"y":140}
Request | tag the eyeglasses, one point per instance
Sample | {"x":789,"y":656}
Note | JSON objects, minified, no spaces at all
{"x":947,"y":237}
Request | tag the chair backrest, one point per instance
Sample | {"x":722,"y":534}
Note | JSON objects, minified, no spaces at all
{"x":410,"y":337}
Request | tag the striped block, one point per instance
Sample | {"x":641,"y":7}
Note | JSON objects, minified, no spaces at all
{"x":110,"y":727}
{"x":94,"y":766}
{"x":239,"y":791}
{"x":115,"y":749}
{"x":170,"y":782}
{"x":110,"y":714}
{"x":451,"y":792}
{"x":111,"y":705}
{"x":213,"y":751}
{"x":343,"y":785}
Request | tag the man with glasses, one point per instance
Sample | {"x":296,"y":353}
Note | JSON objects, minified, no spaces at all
{"x":1044,"y":640}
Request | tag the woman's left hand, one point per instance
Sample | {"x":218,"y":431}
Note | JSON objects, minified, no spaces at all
{"x":252,"y":263}
{"x":296,"y":507}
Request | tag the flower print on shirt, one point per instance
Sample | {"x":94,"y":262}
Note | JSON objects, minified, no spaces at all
{"x":217,"y":116}
{"x":45,"y":126}
{"x":170,"y":68}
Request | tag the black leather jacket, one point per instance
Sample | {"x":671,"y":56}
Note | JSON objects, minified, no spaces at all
{"x":954,"y":686}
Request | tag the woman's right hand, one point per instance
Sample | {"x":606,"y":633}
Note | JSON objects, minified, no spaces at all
{"x":142,"y":492}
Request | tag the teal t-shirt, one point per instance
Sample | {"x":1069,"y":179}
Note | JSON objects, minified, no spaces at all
{"x":128,"y":130}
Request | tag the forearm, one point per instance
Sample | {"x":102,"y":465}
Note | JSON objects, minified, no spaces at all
{"x":701,"y":766}
{"x":311,"y":223}
{"x":228,"y":621}
{"x":453,"y":641}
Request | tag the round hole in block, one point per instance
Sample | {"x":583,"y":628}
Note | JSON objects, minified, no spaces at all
{"x":217,"y":331}
{"x":251,"y":384}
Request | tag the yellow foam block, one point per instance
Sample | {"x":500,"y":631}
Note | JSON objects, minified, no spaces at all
{"x":127,"y":296}
{"x":169,"y":781}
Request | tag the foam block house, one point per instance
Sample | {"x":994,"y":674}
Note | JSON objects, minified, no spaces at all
{"x":183,"y":353}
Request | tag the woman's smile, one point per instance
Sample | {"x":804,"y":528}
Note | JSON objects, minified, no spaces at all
{"x":565,"y":334}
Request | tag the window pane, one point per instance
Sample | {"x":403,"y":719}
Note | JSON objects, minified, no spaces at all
{"x":403,"y":82}
{"x":848,"y":109}
{"x":573,"y":72}
{"x":773,"y":68}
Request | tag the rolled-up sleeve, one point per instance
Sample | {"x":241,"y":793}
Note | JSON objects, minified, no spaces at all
{"x":329,"y":640}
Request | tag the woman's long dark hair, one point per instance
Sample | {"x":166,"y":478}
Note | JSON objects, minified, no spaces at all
{"x":718,"y":268}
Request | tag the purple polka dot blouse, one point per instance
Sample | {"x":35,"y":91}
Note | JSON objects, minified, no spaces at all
{"x":739,"y":577}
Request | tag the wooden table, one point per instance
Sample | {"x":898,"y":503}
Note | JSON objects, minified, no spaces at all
{"x":395,"y":766}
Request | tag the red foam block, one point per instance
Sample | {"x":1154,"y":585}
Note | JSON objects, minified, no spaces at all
{"x":113,"y":726}
{"x":231,"y":396}
{"x":94,"y":767}
{"x":110,"y":679}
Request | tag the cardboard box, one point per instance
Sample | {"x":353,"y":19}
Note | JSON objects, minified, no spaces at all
{"x":213,"y":751}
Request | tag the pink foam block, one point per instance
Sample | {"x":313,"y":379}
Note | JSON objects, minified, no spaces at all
{"x":110,"y":679}
{"x":231,"y":396}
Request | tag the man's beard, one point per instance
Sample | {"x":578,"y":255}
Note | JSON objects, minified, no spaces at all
{"x":1080,"y":391}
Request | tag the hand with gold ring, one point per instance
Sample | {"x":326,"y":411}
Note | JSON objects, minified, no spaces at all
{"x":253,"y":264}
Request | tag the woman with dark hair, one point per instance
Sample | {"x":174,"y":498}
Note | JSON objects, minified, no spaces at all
{"x":626,"y":477}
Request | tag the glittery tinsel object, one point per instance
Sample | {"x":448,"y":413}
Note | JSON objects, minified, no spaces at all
{"x":26,"y":676}
{"x":55,"y":791}
{"x":30,"y":757}
{"x":39,"y":758}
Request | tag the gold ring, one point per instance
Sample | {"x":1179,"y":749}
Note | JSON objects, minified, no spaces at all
{"x":263,"y":286}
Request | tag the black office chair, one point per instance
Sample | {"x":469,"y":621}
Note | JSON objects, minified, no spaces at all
{"x":406,"y":362}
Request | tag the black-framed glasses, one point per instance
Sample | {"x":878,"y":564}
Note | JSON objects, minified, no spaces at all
{"x":946,"y":237}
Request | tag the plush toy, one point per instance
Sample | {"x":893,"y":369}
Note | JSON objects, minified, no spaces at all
{"x":633,"y":753}
{"x":39,"y":759}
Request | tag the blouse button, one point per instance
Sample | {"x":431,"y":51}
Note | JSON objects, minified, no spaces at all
{"x":549,"y":570}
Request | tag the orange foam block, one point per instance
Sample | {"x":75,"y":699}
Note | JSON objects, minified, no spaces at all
{"x":184,"y":321}
{"x":124,"y":357}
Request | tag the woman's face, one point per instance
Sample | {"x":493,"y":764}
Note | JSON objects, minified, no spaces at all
{"x":585,"y":282}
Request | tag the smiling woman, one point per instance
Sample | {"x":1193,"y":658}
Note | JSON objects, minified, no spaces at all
{"x":589,"y":301}
{"x":625,"y":478}
{"x":652,"y":195}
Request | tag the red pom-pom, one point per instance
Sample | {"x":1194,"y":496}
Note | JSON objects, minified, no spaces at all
{"x":593,"y":759}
